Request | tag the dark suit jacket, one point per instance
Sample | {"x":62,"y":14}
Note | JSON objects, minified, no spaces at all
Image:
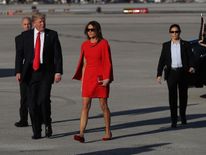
{"x":165,"y":59}
{"x":52,"y":54}
{"x":19,"y":47}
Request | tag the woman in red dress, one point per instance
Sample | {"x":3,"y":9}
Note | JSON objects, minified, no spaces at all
{"x":96,"y":73}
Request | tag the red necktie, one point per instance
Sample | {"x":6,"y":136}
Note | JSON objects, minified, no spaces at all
{"x":36,"y":62}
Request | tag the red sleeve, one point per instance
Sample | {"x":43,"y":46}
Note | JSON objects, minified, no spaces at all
{"x":107,"y":62}
{"x":78,"y":73}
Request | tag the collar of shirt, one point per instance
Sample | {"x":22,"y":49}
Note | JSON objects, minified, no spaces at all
{"x":176,"y":42}
{"x":36,"y":32}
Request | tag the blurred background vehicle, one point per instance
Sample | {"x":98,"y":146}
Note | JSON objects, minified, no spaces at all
{"x":199,"y":54}
{"x":3,"y":2}
{"x":198,"y":79}
{"x":94,"y":1}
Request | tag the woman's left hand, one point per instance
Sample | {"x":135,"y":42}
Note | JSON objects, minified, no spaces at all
{"x":105,"y":82}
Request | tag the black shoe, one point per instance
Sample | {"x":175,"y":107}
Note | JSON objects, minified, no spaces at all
{"x":48,"y":131}
{"x":38,"y":136}
{"x":21,"y":124}
{"x":174,"y":125}
{"x":184,"y":122}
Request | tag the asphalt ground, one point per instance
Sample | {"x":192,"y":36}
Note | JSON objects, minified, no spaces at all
{"x":139,"y":106}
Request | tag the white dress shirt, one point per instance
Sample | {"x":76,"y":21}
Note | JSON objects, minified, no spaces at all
{"x":176,"y":55}
{"x":42,"y":36}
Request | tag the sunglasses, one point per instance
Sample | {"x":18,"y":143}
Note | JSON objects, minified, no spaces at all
{"x":92,"y":30}
{"x":174,"y":31}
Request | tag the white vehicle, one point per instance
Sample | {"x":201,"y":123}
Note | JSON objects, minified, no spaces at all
{"x":2,"y":1}
{"x":200,"y":1}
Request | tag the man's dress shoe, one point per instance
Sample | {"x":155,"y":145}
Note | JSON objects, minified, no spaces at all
{"x":48,"y":131}
{"x":184,"y":122}
{"x":38,"y":136}
{"x":174,"y":125}
{"x":21,"y":124}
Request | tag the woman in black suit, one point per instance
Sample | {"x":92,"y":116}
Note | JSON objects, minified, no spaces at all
{"x":176,"y":60}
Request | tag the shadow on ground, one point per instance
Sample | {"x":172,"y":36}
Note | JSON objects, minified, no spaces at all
{"x":203,"y":96}
{"x":138,"y":123}
{"x":7,"y":72}
{"x":127,"y":151}
{"x":122,"y":113}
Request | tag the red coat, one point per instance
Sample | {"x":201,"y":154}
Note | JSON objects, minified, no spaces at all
{"x":98,"y":64}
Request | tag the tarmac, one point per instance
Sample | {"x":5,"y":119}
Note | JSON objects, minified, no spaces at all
{"x":104,"y":8}
{"x":139,"y":106}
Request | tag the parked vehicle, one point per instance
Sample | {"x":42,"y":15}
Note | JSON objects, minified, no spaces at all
{"x":3,"y":2}
{"x":199,"y":54}
{"x":199,"y":78}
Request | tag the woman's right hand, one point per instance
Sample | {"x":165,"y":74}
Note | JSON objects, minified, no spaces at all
{"x":159,"y":78}
{"x":201,"y":43}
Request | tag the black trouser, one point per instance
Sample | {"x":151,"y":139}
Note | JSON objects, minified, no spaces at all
{"x":177,"y":82}
{"x":23,"y":110}
{"x":39,"y":101}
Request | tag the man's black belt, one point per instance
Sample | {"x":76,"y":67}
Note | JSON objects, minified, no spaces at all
{"x":177,"y":68}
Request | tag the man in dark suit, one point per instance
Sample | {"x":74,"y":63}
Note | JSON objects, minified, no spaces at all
{"x":23,"y":110}
{"x":41,"y":50}
{"x":176,"y":60}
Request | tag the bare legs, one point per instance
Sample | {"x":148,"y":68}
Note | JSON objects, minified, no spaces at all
{"x":107,"y":117}
{"x":86,"y":104}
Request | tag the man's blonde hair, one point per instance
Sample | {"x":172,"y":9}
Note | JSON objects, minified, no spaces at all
{"x":38,"y":15}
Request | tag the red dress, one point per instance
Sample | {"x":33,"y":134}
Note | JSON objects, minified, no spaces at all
{"x":98,"y":65}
